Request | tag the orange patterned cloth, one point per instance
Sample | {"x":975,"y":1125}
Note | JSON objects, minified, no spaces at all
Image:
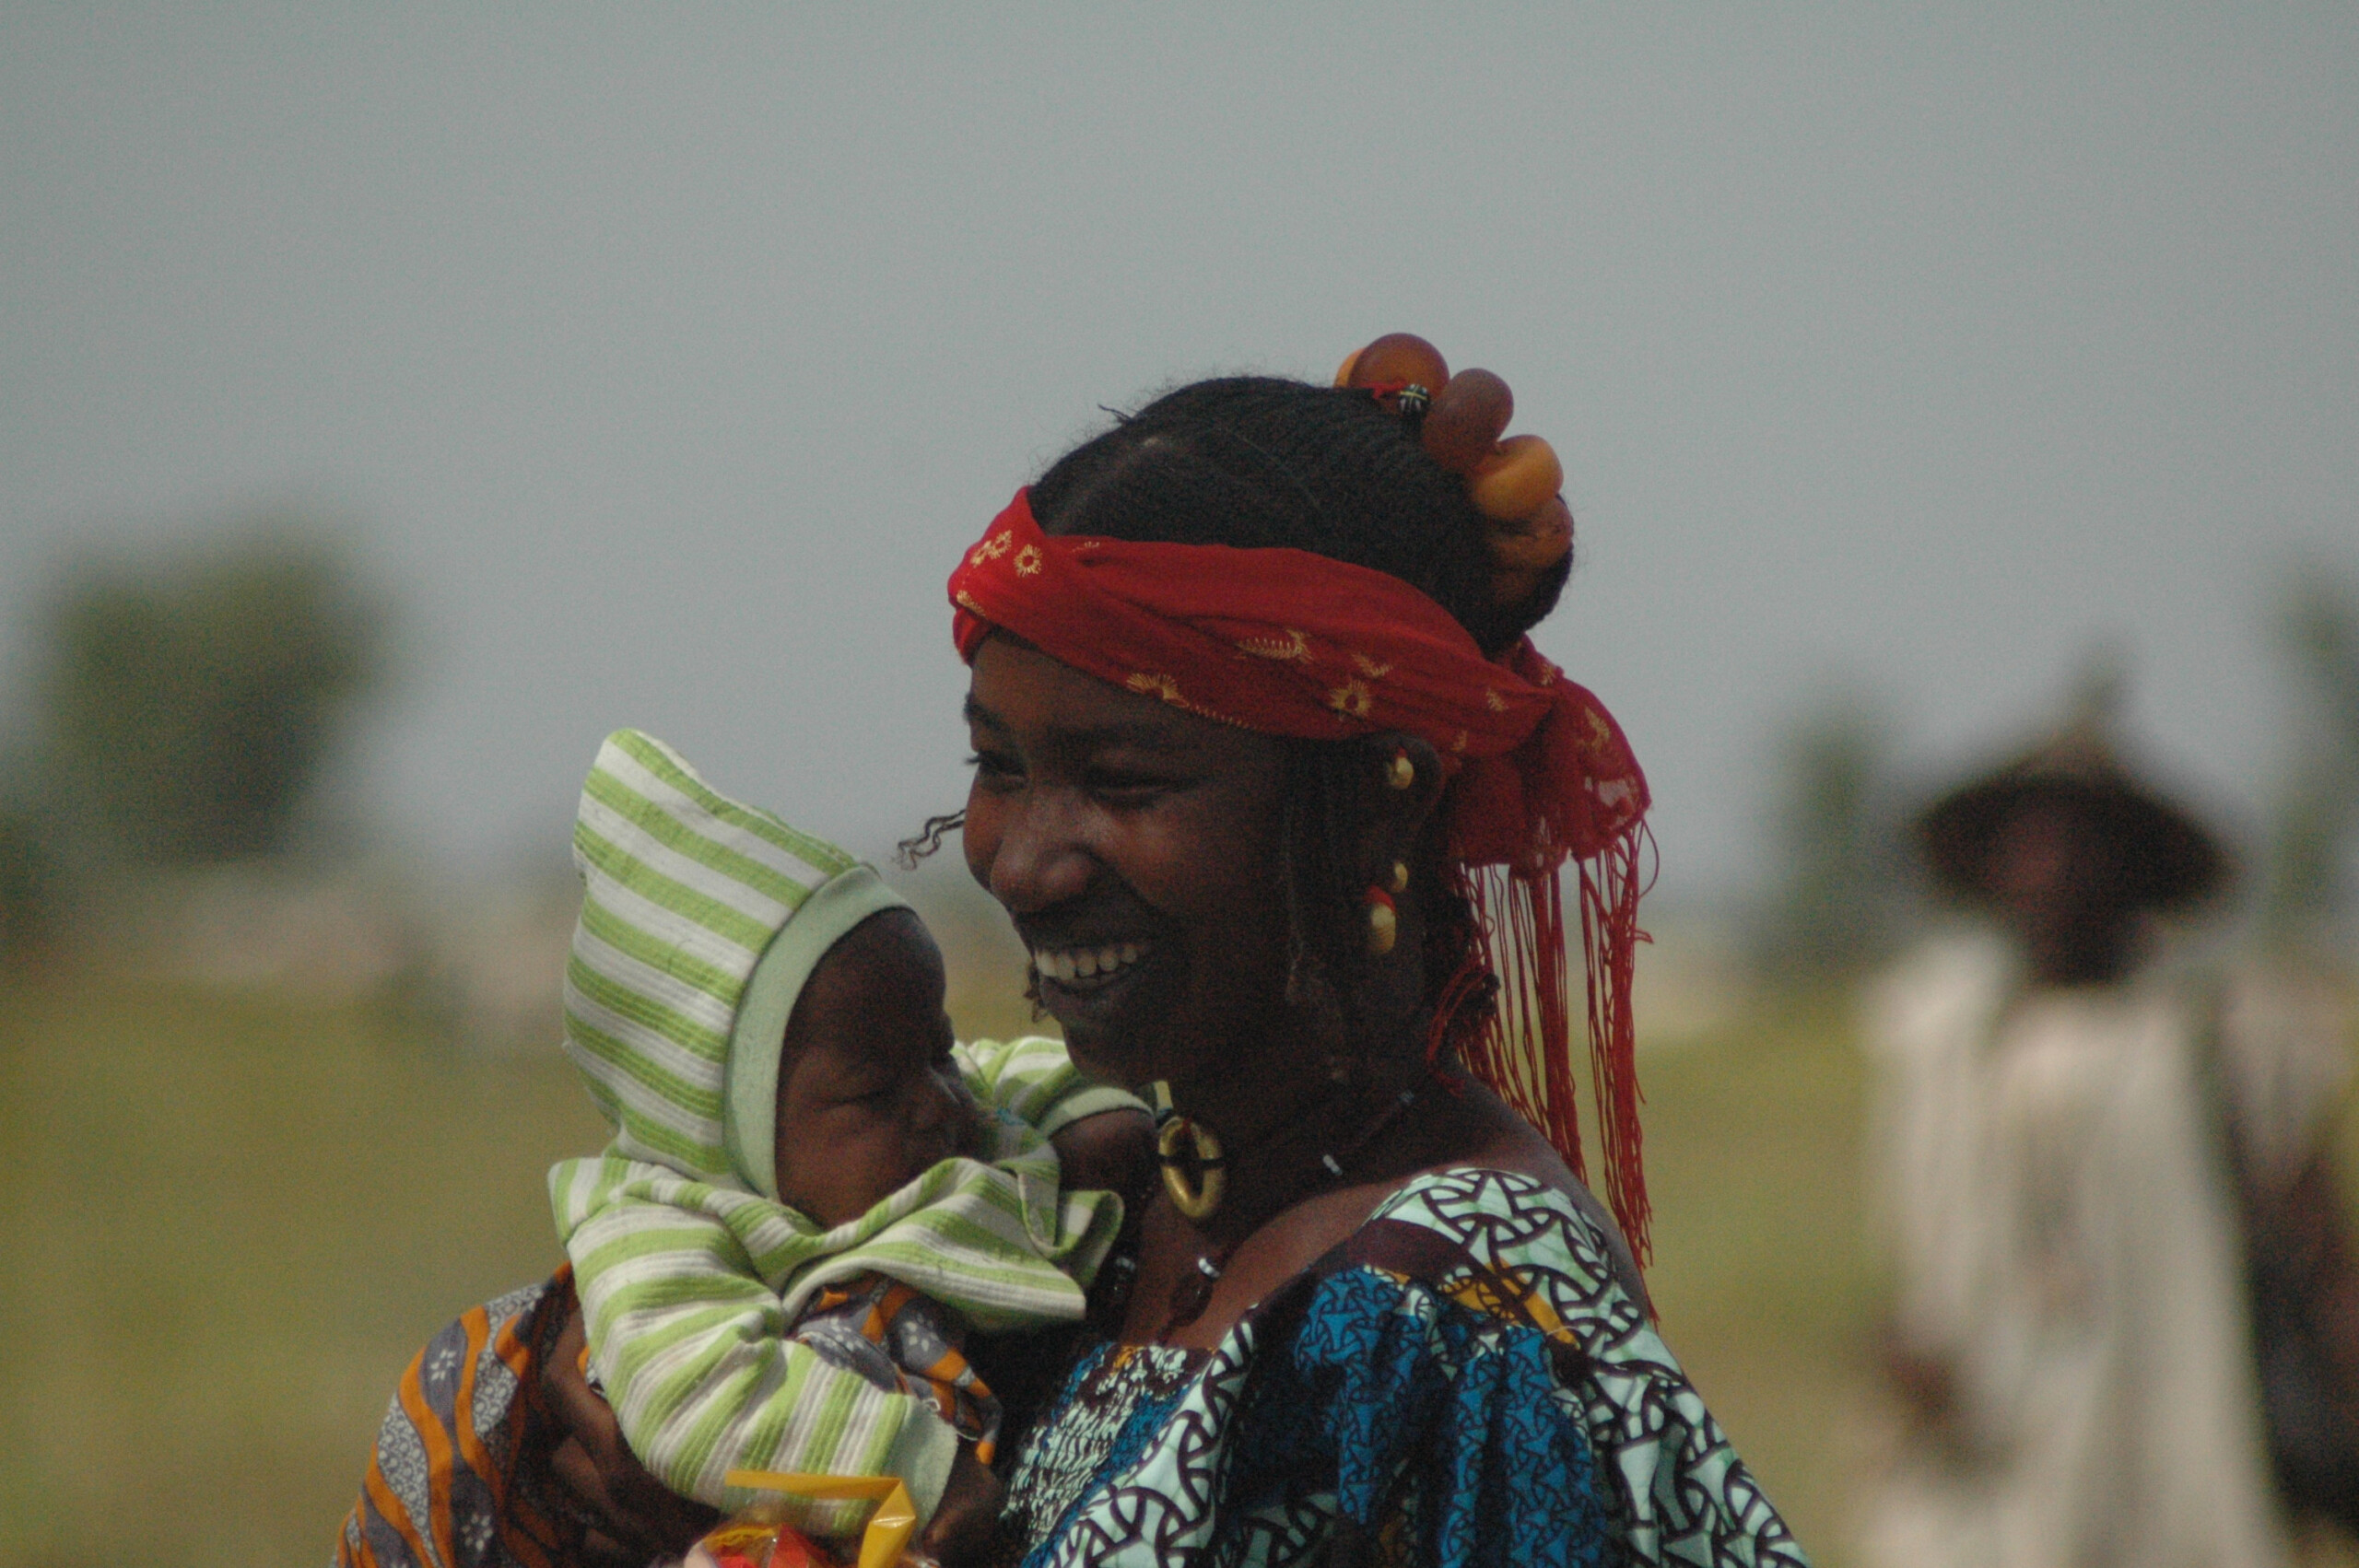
{"x":460,"y":1476}
{"x":1288,"y":642}
{"x":883,"y":1329}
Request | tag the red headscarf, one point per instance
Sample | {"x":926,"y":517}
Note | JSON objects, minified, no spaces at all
{"x":1288,"y":642}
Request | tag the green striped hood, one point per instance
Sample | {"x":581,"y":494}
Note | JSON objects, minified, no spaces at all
{"x":701,"y":918}
{"x":689,"y":1290}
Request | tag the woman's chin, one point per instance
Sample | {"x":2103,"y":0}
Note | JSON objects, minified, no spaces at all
{"x":1100,"y":1018}
{"x":1118,"y":1070}
{"x":1155,"y":1017}
{"x":1129,"y":1035}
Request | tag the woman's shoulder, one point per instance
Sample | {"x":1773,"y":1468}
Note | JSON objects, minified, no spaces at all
{"x":1510,"y":1222}
{"x":1481,"y":1201}
{"x":1515,"y":1246}
{"x":1512,"y":1247}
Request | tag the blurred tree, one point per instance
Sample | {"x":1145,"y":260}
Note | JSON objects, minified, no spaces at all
{"x":1842,"y":883}
{"x":2317,"y":816}
{"x":28,"y":883}
{"x":189,"y":709}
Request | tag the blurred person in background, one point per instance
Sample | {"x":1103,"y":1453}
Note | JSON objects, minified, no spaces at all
{"x":2101,"y":1169}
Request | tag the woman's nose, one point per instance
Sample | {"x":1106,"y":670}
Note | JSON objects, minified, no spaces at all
{"x":1039,"y":860}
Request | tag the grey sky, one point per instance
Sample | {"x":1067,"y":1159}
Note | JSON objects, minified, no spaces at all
{"x":664,"y":358}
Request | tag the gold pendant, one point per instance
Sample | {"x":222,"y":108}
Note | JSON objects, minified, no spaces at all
{"x":1197,"y":1200}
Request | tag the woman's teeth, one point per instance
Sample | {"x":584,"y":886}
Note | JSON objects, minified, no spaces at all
{"x":1085,"y":962}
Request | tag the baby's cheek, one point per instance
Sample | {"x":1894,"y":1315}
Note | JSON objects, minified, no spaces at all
{"x":970,"y":1124}
{"x":976,"y":1128}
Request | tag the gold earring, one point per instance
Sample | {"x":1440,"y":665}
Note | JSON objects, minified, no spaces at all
{"x":1196,"y":1199}
{"x":1400,"y":876}
{"x":1383,"y":923}
{"x":1400,"y":773}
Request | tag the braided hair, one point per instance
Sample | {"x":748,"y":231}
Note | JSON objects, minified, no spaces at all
{"x":1262,"y":462}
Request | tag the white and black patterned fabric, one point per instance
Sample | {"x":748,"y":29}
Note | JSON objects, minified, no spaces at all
{"x":1463,"y":1383}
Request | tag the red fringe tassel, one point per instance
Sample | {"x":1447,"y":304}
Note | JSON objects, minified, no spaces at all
{"x":1523,"y":1050}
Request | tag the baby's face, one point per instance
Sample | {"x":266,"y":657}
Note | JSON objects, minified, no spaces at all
{"x":868,"y":1095}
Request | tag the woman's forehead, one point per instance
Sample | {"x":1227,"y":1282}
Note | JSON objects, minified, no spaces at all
{"x":1017,"y":687}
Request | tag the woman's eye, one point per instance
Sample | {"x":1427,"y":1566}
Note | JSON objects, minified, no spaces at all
{"x":1128,"y":789}
{"x":994,"y":767}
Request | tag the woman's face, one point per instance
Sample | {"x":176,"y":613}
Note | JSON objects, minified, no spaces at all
{"x":1135,"y":846}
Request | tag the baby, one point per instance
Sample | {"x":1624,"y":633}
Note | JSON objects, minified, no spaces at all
{"x":812,"y":1190}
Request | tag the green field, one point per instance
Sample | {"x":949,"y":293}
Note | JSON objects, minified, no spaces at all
{"x":230,"y":1222}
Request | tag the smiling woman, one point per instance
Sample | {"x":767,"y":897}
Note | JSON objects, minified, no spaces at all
{"x":1278,"y":795}
{"x":1112,"y":825}
{"x":1280,"y":798}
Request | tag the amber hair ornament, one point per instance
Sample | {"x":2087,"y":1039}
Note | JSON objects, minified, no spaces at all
{"x":1515,"y":482}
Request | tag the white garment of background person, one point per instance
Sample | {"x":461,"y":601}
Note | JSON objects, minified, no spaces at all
{"x":2065,"y":1244}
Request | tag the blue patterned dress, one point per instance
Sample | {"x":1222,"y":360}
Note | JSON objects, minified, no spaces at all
{"x":1461,"y":1383}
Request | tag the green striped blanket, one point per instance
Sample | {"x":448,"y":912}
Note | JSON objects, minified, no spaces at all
{"x":701,"y":919}
{"x":688,"y":1289}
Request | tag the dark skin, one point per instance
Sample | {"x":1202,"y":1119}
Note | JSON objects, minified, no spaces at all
{"x":1100,"y":818}
{"x":869,"y":1098}
{"x":1114,"y":825}
{"x":2054,"y":877}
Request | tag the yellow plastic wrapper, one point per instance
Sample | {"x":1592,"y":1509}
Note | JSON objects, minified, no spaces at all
{"x":759,"y":1537}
